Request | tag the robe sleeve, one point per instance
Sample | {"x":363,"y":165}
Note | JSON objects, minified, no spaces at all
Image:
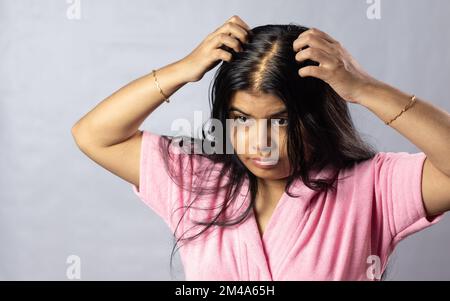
{"x":157,"y":188}
{"x":398,"y":185}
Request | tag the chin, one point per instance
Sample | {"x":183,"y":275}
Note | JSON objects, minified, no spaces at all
{"x":268,"y":176}
{"x":273,"y":173}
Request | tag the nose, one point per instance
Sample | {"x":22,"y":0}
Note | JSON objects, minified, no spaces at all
{"x":262,"y":138}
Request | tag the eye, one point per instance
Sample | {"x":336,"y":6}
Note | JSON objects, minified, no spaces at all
{"x":280,"y":121}
{"x":242,"y":119}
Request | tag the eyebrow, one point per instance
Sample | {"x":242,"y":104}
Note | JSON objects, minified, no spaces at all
{"x":232,"y":108}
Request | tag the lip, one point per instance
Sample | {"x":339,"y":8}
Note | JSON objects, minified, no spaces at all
{"x":264,"y":163}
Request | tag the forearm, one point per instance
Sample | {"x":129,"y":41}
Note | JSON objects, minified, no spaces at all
{"x":425,"y":125}
{"x":119,"y":116}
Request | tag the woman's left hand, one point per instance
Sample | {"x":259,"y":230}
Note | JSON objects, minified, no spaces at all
{"x":336,"y":66}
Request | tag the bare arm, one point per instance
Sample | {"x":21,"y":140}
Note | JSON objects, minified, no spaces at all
{"x":428,"y":127}
{"x":109,"y":134}
{"x":425,"y":125}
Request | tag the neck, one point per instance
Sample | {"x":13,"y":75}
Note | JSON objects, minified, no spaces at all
{"x":271,"y":185}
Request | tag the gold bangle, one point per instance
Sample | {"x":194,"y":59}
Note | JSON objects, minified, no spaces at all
{"x":160,"y":90}
{"x":406,"y":108}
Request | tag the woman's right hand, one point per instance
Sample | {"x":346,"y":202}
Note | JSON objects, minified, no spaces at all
{"x":210,"y":51}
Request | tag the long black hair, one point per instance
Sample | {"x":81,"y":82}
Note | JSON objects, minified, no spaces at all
{"x":319,"y":125}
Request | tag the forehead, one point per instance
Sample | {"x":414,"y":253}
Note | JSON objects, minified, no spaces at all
{"x":257,"y":104}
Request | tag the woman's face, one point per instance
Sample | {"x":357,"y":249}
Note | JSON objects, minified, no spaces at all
{"x":258,"y":133}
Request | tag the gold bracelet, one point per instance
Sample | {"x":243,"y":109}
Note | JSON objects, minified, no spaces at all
{"x":407,"y":107}
{"x":160,"y":90}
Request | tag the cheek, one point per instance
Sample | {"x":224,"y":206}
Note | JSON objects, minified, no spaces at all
{"x":279,"y":138}
{"x":283,"y":144}
{"x":239,"y":140}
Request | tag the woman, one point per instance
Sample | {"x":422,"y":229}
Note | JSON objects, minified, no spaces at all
{"x":305,"y":200}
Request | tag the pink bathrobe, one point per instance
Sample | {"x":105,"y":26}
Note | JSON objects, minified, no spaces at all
{"x":343,"y":235}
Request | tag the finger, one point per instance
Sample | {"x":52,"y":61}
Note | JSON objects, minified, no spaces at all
{"x":237,"y":31}
{"x":313,"y":41}
{"x":234,"y":30}
{"x":325,"y":35}
{"x":223,"y":55}
{"x":238,"y":20}
{"x":224,"y":39}
{"x":317,"y":55}
{"x":317,"y":32}
{"x":313,"y":71}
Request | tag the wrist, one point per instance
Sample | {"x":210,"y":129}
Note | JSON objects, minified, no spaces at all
{"x":188,"y":70}
{"x":368,"y":91}
{"x":181,"y":68}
